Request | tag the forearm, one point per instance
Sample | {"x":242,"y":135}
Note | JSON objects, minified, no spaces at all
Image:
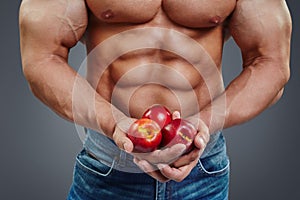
{"x":59,"y":87}
{"x":259,"y":86}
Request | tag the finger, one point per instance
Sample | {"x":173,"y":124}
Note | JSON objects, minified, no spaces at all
{"x":187,"y":159}
{"x":202,"y":137}
{"x":150,"y":170}
{"x":176,"y":115}
{"x":200,"y":142}
{"x":200,"y":126}
{"x":176,"y":174}
{"x":167,"y":155}
{"x":204,"y":131}
{"x":124,"y":124}
{"x":122,"y":141}
{"x":144,"y":165}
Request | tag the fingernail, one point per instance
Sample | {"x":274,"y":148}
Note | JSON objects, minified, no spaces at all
{"x":161,"y":166}
{"x":126,"y":147}
{"x":201,"y":142}
{"x":135,"y":160}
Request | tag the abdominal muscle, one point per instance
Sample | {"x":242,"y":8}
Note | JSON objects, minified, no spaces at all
{"x":140,"y":78}
{"x":133,"y":86}
{"x":138,"y":85}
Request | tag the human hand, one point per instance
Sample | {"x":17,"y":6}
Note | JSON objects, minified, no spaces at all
{"x":156,"y":157}
{"x":170,"y":164}
{"x":119,"y":136}
{"x":165,"y":171}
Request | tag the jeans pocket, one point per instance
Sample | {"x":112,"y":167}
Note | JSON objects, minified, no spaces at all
{"x":214,"y":165}
{"x":91,"y":165}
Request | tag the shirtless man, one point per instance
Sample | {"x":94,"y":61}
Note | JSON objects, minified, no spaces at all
{"x":151,"y":58}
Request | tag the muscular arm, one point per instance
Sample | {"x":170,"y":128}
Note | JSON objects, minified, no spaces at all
{"x":48,"y":29}
{"x":262,"y":30}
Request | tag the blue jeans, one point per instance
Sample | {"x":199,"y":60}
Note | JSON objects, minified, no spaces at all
{"x":94,"y":180}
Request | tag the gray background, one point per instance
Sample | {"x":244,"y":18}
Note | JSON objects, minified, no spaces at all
{"x":38,"y":149}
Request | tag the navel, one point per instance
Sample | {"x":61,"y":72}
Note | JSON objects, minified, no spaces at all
{"x":215,"y":20}
{"x":108,"y":14}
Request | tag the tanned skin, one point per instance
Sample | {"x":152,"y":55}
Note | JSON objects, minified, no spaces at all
{"x":261,"y":29}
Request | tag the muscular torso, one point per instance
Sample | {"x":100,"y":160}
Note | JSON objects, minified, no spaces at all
{"x":152,"y":68}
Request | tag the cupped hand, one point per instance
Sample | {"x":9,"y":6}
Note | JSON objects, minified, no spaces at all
{"x":168,"y":163}
{"x":182,"y":167}
{"x":171,"y":163}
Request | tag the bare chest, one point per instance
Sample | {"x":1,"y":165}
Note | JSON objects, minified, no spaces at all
{"x":189,"y":13}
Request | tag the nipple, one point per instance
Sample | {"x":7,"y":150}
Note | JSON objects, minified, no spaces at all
{"x":215,"y":20}
{"x":108,"y":14}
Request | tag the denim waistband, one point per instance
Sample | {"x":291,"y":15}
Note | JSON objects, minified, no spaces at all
{"x":105,"y":150}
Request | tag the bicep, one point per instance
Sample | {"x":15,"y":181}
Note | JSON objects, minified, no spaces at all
{"x":50,"y":27}
{"x":262,"y":29}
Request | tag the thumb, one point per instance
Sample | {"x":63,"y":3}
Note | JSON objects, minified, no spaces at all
{"x":122,"y":141}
